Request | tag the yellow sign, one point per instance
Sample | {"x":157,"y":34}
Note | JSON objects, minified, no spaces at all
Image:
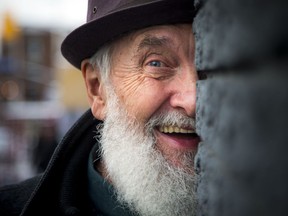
{"x":10,"y":28}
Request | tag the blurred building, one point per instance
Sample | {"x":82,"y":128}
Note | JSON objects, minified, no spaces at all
{"x":36,"y":91}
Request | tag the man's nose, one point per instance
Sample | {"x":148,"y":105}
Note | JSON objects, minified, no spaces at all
{"x":184,"y":96}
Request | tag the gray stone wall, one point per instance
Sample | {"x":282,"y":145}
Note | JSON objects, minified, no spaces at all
{"x":242,"y":107}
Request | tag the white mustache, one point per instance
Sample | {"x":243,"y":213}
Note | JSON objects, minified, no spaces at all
{"x":175,"y":118}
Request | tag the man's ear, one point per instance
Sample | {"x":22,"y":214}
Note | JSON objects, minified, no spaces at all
{"x":94,"y":88}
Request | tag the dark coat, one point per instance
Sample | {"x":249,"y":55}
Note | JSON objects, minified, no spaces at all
{"x":62,"y":188}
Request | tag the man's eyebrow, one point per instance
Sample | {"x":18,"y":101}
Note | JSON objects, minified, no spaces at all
{"x":152,"y":41}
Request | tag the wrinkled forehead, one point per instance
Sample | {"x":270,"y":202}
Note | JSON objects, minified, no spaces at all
{"x":164,"y":33}
{"x":171,"y":36}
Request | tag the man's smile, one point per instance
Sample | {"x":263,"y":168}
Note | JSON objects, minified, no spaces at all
{"x":175,"y":129}
{"x":178,"y":138}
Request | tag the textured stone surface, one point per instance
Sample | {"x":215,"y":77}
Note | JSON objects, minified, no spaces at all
{"x":243,"y":161}
{"x":242,"y":109}
{"x":237,"y":32}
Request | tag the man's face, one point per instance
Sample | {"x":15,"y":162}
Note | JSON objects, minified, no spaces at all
{"x":153,"y":72}
{"x":148,"y":107}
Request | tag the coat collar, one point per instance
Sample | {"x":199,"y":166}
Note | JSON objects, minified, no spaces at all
{"x":62,"y":190}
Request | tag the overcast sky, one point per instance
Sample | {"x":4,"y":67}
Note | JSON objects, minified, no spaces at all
{"x":46,"y":13}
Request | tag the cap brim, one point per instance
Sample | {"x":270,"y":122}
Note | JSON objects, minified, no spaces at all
{"x":84,"y":41}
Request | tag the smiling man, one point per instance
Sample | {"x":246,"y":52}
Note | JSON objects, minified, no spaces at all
{"x":137,"y":61}
{"x":147,"y":103}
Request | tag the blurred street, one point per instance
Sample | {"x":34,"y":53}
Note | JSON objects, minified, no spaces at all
{"x":41,"y":95}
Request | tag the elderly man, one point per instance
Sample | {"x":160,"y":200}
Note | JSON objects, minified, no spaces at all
{"x":133,"y":153}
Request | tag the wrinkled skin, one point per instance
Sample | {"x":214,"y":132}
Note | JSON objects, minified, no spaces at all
{"x":152,"y":71}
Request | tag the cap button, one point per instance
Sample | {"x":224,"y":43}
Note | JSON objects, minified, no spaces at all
{"x":95,"y":9}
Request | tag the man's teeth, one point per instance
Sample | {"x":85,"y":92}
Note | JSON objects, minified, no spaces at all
{"x":174,"y":129}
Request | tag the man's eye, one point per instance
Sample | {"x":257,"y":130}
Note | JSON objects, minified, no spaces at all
{"x":155,"y":63}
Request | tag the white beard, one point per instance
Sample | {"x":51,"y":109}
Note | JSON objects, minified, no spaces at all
{"x":144,"y":180}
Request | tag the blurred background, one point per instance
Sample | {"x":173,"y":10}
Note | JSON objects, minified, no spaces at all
{"x":41,"y":95}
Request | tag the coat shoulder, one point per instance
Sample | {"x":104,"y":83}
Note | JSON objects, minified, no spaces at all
{"x":13,"y":197}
